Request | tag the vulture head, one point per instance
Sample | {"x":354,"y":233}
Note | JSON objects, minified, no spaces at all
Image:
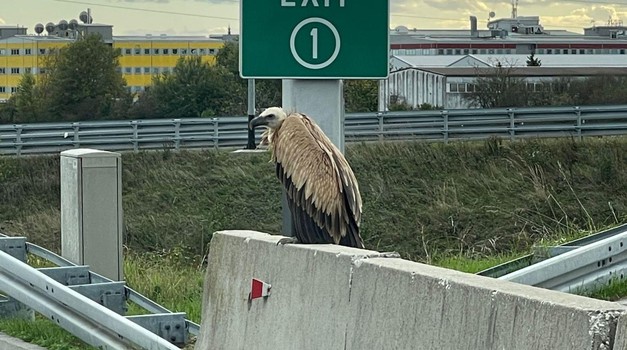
{"x":270,"y":118}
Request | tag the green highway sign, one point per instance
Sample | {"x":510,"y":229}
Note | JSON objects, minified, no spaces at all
{"x":314,"y":39}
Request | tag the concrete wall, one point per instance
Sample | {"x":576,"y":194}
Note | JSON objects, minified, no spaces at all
{"x":332,"y":297}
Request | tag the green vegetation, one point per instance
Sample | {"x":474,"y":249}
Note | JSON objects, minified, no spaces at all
{"x":471,"y":199}
{"x":467,"y":206}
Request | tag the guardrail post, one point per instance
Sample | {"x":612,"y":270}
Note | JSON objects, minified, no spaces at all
{"x":216,"y":135}
{"x":444,"y":114}
{"x":18,"y":139}
{"x":135,"y":136}
{"x":76,"y":139}
{"x":578,"y":113}
{"x":512,"y":130}
{"x":177,"y":135}
{"x":380,"y":117}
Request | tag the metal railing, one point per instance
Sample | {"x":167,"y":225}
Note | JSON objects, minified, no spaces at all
{"x":577,"y":266}
{"x":231,"y":132}
{"x":86,"y":304}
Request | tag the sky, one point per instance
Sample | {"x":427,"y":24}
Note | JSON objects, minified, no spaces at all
{"x":204,"y":17}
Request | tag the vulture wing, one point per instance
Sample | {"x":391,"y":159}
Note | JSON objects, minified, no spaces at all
{"x":321,"y":187}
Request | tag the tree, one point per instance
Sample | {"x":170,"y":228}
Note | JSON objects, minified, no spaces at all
{"x":361,"y":95}
{"x":499,"y":87}
{"x":267,"y":91}
{"x":82,"y":80}
{"x":27,"y":101}
{"x":194,"y":89}
{"x":532,"y":61}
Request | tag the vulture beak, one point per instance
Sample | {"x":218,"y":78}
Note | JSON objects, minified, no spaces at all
{"x":259,"y":120}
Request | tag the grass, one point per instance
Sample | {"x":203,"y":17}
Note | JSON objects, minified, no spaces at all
{"x":469,"y":199}
{"x":463,"y":205}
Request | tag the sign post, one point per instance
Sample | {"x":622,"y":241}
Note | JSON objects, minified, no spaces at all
{"x":312,"y":45}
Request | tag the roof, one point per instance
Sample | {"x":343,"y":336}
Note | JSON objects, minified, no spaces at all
{"x":529,"y":71}
{"x":547,"y":60}
{"x":16,"y":39}
{"x":165,"y":38}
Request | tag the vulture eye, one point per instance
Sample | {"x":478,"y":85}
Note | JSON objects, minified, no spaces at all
{"x":271,"y":116}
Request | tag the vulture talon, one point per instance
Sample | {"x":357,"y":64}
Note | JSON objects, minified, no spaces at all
{"x":287,"y":240}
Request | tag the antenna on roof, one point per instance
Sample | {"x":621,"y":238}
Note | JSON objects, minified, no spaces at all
{"x":514,"y":9}
{"x":50,"y":27}
{"x":39,"y":28}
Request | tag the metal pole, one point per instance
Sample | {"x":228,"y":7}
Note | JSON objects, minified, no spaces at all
{"x":251,"y":113}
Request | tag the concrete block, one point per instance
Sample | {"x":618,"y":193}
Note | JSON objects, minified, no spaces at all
{"x":425,"y":307}
{"x":309,"y":301}
{"x":333,"y":297}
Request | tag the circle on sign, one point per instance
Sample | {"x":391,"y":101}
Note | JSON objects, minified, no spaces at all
{"x":297,"y":57}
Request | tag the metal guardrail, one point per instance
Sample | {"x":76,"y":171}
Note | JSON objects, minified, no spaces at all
{"x":229,"y":132}
{"x":573,"y":267}
{"x":84,"y":303}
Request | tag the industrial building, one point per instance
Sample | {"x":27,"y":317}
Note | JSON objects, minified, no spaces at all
{"x":439,"y":67}
{"x":141,"y":58}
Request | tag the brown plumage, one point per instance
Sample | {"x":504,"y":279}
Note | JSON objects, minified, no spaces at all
{"x":322,"y":191}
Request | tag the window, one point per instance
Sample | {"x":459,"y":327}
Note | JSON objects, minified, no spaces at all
{"x":128,"y":52}
{"x":622,"y":51}
{"x":146,"y":70}
{"x":166,"y":51}
{"x":146,"y":51}
{"x":155,"y":70}
{"x":453,"y":87}
{"x":183,"y":51}
{"x":3,"y":70}
{"x":582,"y":51}
{"x":195,"y":51}
{"x":474,"y":51}
{"x":440,"y":52}
{"x":212,"y":51}
{"x":482,"y":51}
{"x":137,"y":51}
{"x":573,"y":51}
{"x":138,"y":70}
{"x":42,"y":70}
{"x":175,"y":51}
{"x":458,"y":51}
{"x":13,"y":89}
{"x":3,"y":52}
{"x":128,"y":70}
{"x":204,"y":52}
{"x":15,"y":51}
{"x":15,"y":70}
{"x":449,"y":51}
{"x":28,"y":70}
{"x":499,"y":51}
{"x":565,"y":51}
{"x":42,"y":51}
{"x":156,"y":51}
{"x":28,"y":52}
{"x":3,"y":89}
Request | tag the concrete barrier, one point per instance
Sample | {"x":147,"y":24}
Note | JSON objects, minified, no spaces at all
{"x":333,"y":297}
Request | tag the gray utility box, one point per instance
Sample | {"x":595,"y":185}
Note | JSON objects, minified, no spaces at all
{"x":91,"y":210}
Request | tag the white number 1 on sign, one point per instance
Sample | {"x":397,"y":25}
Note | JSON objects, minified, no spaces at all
{"x":314,"y":43}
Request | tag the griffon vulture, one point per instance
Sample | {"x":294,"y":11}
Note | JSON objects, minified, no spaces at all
{"x":321,"y":188}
